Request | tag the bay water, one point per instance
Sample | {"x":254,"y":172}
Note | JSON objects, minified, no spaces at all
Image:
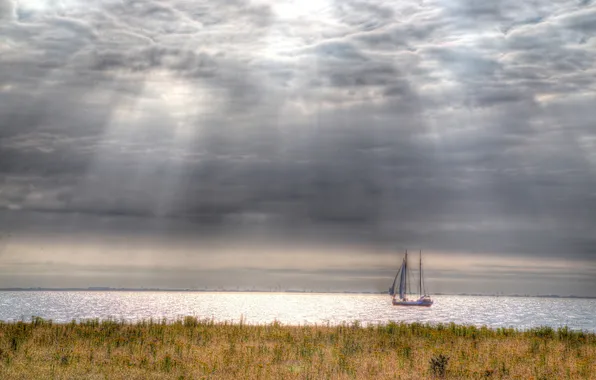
{"x":296,"y":308}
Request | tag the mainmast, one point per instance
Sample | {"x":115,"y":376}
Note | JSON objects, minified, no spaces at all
{"x":406,"y":278}
{"x":420,"y":286}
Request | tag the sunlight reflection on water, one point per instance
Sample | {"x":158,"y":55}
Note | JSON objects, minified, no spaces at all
{"x":289,"y":308}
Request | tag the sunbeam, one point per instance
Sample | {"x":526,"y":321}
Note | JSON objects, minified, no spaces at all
{"x":355,"y":126}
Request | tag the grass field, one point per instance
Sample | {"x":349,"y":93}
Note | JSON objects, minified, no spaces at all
{"x":196,"y":349}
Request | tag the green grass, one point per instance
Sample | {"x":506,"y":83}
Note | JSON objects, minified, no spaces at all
{"x":199,"y":349}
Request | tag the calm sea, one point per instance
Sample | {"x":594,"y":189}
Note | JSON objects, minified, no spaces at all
{"x":297,"y":308}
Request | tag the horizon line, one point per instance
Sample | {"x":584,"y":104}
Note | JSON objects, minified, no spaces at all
{"x":191,"y":290}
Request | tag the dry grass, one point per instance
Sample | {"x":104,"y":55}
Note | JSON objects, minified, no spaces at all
{"x":195,"y":349}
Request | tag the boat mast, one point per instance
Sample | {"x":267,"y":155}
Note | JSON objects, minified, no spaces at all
{"x":420,"y":285}
{"x":406,"y":275}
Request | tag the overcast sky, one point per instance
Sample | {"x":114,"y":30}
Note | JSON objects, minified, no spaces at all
{"x":299,"y":144}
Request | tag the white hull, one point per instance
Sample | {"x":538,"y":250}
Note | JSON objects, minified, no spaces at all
{"x":420,"y":302}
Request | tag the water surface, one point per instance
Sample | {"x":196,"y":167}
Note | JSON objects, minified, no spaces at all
{"x":297,"y":308}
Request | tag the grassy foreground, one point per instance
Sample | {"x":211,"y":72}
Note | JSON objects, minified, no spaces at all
{"x":195,"y":349}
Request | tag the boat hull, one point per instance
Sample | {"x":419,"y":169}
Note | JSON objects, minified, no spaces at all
{"x":412,"y":303}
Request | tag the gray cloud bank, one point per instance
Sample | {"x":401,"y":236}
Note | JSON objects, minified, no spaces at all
{"x":455,"y":126}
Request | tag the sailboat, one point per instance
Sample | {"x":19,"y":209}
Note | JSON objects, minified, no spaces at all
{"x":400,"y":287}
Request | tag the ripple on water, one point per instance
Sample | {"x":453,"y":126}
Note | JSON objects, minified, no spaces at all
{"x":297,"y":308}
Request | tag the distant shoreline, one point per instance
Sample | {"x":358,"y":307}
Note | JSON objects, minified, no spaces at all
{"x":109,"y":289}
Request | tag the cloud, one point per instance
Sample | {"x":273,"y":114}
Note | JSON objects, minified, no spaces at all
{"x":460,"y":126}
{"x":581,"y":20}
{"x":7,"y":10}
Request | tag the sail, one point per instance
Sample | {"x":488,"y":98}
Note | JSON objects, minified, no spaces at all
{"x":392,"y":288}
{"x":402,"y":280}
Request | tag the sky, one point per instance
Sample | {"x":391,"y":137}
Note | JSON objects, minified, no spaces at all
{"x":298,"y":144}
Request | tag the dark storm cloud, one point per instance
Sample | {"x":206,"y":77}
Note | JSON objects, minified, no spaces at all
{"x":453,"y":125}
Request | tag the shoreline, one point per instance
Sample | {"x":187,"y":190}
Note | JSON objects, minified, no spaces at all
{"x":542,"y":330}
{"x":242,"y":322}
